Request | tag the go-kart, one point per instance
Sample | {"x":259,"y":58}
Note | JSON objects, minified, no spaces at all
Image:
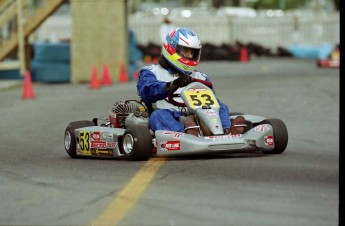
{"x":333,"y":60}
{"x":125,"y":133}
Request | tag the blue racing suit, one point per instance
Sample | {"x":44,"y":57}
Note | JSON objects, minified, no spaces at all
{"x":151,"y":87}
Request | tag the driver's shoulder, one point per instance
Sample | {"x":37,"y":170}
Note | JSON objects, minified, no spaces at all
{"x":154,"y":68}
{"x":149,"y":67}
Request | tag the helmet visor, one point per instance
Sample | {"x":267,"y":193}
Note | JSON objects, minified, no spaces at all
{"x":188,"y":53}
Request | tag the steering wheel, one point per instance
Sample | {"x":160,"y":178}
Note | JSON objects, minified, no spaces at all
{"x":172,"y":95}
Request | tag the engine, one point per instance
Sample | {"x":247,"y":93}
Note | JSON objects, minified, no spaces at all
{"x":121,"y":109}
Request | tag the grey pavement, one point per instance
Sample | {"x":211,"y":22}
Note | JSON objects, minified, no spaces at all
{"x":41,"y":185}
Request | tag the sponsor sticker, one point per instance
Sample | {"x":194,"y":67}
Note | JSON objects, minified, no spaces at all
{"x":111,"y":144}
{"x":173,"y":145}
{"x":107,"y":152}
{"x":96,"y":136}
{"x":98,"y":144}
{"x":261,"y":128}
{"x":211,"y":113}
{"x":269,"y":140}
{"x":174,"y":134}
{"x":226,"y":137}
{"x":106,"y":135}
{"x":196,"y":89}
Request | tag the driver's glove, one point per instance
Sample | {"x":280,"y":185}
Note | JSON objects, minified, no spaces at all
{"x":181,"y":81}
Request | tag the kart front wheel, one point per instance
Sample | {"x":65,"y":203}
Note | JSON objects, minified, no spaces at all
{"x":137,"y":143}
{"x":69,"y":137}
{"x":280,"y":135}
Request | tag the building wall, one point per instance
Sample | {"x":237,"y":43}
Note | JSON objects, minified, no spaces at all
{"x":99,"y":37}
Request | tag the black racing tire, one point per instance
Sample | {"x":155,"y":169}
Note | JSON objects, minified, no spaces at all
{"x":280,"y":135}
{"x":69,"y":137}
{"x":137,"y":143}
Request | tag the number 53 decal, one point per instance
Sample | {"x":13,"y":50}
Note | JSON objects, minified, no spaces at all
{"x":198,"y":98}
{"x":84,"y":142}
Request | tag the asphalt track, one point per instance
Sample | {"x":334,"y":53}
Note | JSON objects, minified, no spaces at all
{"x":41,"y":185}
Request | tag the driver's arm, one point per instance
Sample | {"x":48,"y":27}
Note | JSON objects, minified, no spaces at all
{"x":149,"y":88}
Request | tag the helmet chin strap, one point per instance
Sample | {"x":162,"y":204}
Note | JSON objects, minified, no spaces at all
{"x":163,"y":62}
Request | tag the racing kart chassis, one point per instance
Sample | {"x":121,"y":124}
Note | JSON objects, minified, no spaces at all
{"x":125,"y":134}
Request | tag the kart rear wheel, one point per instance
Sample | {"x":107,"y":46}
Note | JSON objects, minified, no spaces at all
{"x":137,"y":143}
{"x":280,"y":135}
{"x":70,"y":139}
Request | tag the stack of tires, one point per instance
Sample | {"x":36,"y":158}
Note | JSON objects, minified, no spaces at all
{"x":51,"y":63}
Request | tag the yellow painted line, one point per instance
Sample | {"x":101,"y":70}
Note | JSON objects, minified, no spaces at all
{"x":129,"y":195}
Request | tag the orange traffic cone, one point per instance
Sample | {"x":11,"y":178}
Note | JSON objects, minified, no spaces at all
{"x":244,"y":55}
{"x":136,"y":74}
{"x":106,"y":81}
{"x":123,"y":78}
{"x":94,"y":82}
{"x":28,"y":91}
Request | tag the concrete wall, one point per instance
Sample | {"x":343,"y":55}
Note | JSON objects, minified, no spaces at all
{"x":99,"y":36}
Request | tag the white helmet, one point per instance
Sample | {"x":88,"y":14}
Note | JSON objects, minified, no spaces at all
{"x":176,"y":43}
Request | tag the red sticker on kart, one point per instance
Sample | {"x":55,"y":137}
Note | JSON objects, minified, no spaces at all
{"x":173,"y":145}
{"x":269,"y":140}
{"x":96,"y":136}
{"x":111,"y":144}
{"x":174,"y":134}
{"x":98,"y":145}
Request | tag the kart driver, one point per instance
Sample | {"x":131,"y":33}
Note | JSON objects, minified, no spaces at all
{"x":176,"y":67}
